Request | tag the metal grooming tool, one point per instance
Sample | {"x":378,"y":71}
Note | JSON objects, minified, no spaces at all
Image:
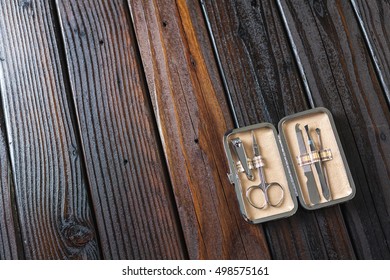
{"x":318,"y":131}
{"x":318,"y":166}
{"x":314,"y":196}
{"x":240,"y":151}
{"x":263,"y":186}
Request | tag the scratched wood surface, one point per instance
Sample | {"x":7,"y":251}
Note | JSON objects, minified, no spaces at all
{"x":374,"y":18}
{"x":50,"y":189}
{"x":340,"y":76}
{"x":112,"y":115}
{"x":130,"y":189}
{"x":265,"y":85}
{"x":191,"y":120}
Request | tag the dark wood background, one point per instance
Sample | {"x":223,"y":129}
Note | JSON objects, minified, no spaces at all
{"x":112,"y":116}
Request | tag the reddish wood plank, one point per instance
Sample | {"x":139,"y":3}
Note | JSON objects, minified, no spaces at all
{"x":54,"y":212}
{"x":340,"y":76}
{"x":192,"y":117}
{"x":131,"y":192}
{"x":265,"y":86}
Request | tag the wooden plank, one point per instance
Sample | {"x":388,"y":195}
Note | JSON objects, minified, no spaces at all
{"x":374,"y":19}
{"x":192,"y":117}
{"x":51,"y":194}
{"x":265,"y":86}
{"x":337,"y":66}
{"x":8,"y":238}
{"x":130,"y":187}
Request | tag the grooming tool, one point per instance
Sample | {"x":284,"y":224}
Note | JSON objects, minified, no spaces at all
{"x":318,"y":167}
{"x":318,"y":131}
{"x":263,"y":186}
{"x":240,"y":151}
{"x":312,"y":190}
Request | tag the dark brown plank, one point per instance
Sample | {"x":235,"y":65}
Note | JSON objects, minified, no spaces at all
{"x":54,"y":212}
{"x":265,"y":85}
{"x":374,"y":19}
{"x":192,"y":117}
{"x":130,"y":187}
{"x":340,"y":76}
{"x":8,"y":239}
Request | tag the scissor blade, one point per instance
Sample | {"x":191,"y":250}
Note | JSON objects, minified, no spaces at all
{"x":255,"y":146}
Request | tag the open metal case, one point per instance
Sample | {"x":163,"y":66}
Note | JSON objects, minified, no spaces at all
{"x":304,"y":160}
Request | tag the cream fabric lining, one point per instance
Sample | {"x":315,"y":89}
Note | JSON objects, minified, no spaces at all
{"x":273,"y":171}
{"x":337,"y":175}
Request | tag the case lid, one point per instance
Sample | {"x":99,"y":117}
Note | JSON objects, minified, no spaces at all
{"x":271,"y":150}
{"x":321,"y":117}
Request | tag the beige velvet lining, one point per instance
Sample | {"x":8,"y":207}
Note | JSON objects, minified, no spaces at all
{"x":273,"y":171}
{"x":337,"y":174}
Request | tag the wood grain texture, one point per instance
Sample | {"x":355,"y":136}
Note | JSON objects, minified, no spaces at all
{"x":130,"y":187}
{"x":374,"y":19}
{"x":340,"y":76}
{"x":54,"y":212}
{"x":256,"y":59}
{"x":8,"y":237}
{"x":265,"y":86}
{"x":192,"y":117}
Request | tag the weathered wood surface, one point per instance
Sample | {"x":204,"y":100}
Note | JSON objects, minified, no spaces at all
{"x":340,"y":76}
{"x":8,"y":232}
{"x":53,"y":208}
{"x":191,"y":113}
{"x":114,"y":112}
{"x":374,"y":19}
{"x":130,"y":187}
{"x":264,"y":82}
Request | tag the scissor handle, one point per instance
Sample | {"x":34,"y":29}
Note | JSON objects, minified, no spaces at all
{"x":265,"y":191}
{"x":249,"y":199}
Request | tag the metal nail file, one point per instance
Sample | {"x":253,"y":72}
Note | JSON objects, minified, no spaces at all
{"x":318,"y":166}
{"x":314,"y":196}
{"x":318,"y":131}
{"x":240,"y":151}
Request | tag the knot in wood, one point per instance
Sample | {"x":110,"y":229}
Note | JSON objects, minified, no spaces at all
{"x":77,"y":234}
{"x":242,"y":33}
{"x":25,"y":4}
{"x":383,"y":136}
{"x":318,"y":7}
{"x":192,"y":61}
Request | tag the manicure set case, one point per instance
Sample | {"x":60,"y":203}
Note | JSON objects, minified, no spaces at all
{"x":284,"y":162}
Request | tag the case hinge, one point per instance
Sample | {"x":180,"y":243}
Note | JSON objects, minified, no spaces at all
{"x":230,"y":177}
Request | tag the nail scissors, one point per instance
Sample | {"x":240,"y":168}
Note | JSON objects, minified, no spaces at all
{"x":265,"y":187}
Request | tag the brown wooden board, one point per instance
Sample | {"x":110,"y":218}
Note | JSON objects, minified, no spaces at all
{"x":8,"y":232}
{"x":131,"y":192}
{"x":265,"y":85}
{"x":337,"y":66}
{"x":51,"y":196}
{"x":374,"y":19}
{"x":192,"y":117}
